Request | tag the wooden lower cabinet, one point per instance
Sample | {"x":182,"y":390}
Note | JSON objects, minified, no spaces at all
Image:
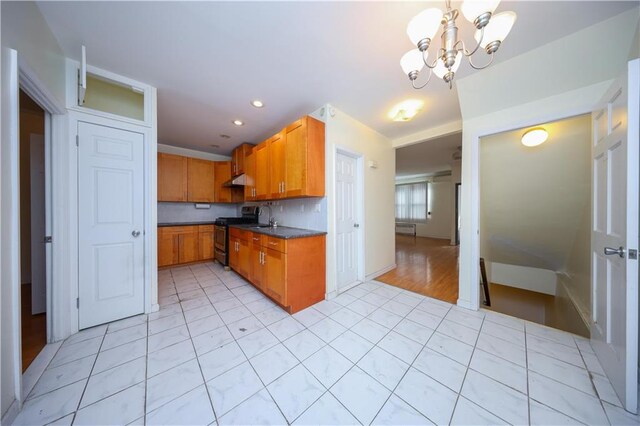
{"x":291,"y":272}
{"x":184,"y":244}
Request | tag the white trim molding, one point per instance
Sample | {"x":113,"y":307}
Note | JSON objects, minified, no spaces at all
{"x":379,"y":272}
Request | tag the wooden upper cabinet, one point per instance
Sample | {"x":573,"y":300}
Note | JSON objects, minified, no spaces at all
{"x":304,"y":158}
{"x":276,"y":166}
{"x":200,"y":181}
{"x":221,"y":174}
{"x":261,"y":153}
{"x":250,"y":177}
{"x":172,"y":177}
{"x":238,"y":157}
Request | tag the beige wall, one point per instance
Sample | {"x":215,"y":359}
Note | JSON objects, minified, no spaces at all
{"x":379,"y":191}
{"x":113,"y":98}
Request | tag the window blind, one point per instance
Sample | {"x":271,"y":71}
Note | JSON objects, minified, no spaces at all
{"x":411,"y":202}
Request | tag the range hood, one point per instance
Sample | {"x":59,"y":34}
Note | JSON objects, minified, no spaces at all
{"x":239,"y":180}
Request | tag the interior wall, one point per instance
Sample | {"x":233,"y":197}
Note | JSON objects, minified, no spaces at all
{"x":113,"y":98}
{"x":456,"y":178}
{"x":343,"y":131}
{"x":305,"y":213}
{"x":439,"y":204}
{"x":187,"y":212}
{"x":168,"y":149}
{"x":31,"y":122}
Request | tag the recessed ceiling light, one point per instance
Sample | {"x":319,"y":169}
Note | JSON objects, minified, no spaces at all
{"x":223,"y":136}
{"x":257,"y":103}
{"x":534,"y":137}
{"x":238,"y":122}
{"x":405,"y":110}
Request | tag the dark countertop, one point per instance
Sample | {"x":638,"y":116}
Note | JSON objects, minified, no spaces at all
{"x":283,"y":232}
{"x":165,"y":224}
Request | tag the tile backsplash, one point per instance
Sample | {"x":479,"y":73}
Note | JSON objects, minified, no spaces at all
{"x":306,"y":213}
{"x":187,"y":212}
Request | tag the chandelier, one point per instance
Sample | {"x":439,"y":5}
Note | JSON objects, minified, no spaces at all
{"x":491,"y":30}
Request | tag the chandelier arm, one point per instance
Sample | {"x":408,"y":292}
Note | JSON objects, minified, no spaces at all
{"x":424,"y":59}
{"x":481,"y":67}
{"x":464,"y":48}
{"x":413,"y":82}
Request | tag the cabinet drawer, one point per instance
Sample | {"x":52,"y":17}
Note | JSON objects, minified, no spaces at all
{"x":258,"y":239}
{"x":167,"y":230}
{"x":239,"y":233}
{"x":277,"y":244}
{"x":205,"y":228}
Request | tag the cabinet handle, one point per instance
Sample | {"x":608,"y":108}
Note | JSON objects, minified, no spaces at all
{"x":256,"y":239}
{"x":272,"y":243}
{"x":283,"y":187}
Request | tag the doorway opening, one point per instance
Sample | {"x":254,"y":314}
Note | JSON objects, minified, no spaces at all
{"x":33,"y":262}
{"x":427,"y":218}
{"x":535,"y":230}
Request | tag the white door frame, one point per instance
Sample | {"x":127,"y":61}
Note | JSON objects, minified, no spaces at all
{"x":359,"y":157}
{"x":568,"y":104}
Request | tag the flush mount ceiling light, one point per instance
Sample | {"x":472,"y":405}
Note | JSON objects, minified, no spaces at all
{"x":491,"y":30}
{"x":257,"y":103}
{"x":405,"y":110}
{"x":223,"y":136}
{"x":534,"y":137}
{"x":238,"y":122}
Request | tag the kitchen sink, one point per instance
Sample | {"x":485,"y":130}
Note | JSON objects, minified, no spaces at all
{"x":260,"y":226}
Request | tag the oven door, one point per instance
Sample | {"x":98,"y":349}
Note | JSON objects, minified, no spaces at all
{"x":220,"y":238}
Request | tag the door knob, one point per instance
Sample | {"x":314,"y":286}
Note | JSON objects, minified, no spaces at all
{"x":611,"y":251}
{"x":356,"y":225}
{"x":135,"y":233}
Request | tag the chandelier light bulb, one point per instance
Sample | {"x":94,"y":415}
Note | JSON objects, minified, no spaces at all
{"x":472,"y":9}
{"x":440,"y":70}
{"x":497,"y":29}
{"x":424,"y":25}
{"x":412,"y":61}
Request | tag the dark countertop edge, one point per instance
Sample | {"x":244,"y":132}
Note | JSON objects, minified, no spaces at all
{"x":303,"y":233}
{"x":167,"y":224}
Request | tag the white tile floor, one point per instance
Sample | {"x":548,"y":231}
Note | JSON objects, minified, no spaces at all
{"x":218,"y":351}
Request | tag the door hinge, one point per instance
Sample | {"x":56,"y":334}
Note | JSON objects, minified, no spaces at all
{"x":78,"y":302}
{"x":77,"y":140}
{"x":633,"y":254}
{"x":48,"y":239}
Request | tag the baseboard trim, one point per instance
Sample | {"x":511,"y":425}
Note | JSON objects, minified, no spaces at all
{"x":583,"y":315}
{"x":384,"y":270}
{"x":465,"y":304}
{"x":11,"y":414}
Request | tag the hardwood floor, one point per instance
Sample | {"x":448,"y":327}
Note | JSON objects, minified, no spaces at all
{"x":428,"y":266}
{"x":34,"y":329}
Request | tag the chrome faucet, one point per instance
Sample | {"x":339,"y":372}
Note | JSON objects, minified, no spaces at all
{"x":272,"y":220}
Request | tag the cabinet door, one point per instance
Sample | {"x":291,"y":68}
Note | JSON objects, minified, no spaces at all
{"x":262,"y":171}
{"x":221,"y":174}
{"x":256,"y":273}
{"x":275,"y":263}
{"x":188,"y":246}
{"x":233,"y":253}
{"x":205,"y":245}
{"x":200,"y":181}
{"x":244,"y":258}
{"x":304,"y":157}
{"x":250,"y":177}
{"x":276,"y":166}
{"x":172,"y":177}
{"x":167,"y":248}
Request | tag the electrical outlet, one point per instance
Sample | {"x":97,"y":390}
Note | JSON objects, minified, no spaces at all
{"x":318,"y":208}
{"x":281,"y":209}
{"x":302,"y":208}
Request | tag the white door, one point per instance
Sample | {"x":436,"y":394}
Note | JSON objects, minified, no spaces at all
{"x":38,"y":262}
{"x":110,"y":224}
{"x":347,"y":225}
{"x":614,"y":237}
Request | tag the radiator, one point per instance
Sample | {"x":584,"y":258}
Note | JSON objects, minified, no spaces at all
{"x":406,"y":228}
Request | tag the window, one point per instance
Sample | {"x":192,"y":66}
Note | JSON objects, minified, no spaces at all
{"x":411,"y":202}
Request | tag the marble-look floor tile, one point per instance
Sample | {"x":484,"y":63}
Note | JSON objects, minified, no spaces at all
{"x":303,"y":344}
{"x":361,"y":307}
{"x":120,"y":408}
{"x":89,"y":333}
{"x":235,"y":314}
{"x":327,"y":365}
{"x":171,"y":384}
{"x":351,"y":345}
{"x":119,"y":355}
{"x":552,"y":334}
{"x":114,"y":380}
{"x":397,"y":307}
{"x":327,"y":307}
{"x":444,"y":369}
{"x":566,"y":399}
{"x":502,"y":348}
{"x":344,"y":299}
{"x":370,"y":330}
{"x":506,"y":320}
{"x":384,"y":367}
{"x":257,"y":342}
{"x":295,"y":391}
{"x":205,"y":325}
{"x":423,"y":318}
{"x":605,"y":390}
{"x":561,"y":371}
{"x":385,"y":318}
{"x":199,"y":313}
{"x":471,"y":319}
{"x":414,"y":331}
{"x":555,"y":350}
{"x":231,"y":388}
{"x":498,"y":399}
{"x":326,"y":411}
{"x":273,"y":363}
{"x":327,"y":329}
{"x":57,"y":377}
{"x":271,"y":315}
{"x":448,"y":346}
{"x":346,"y":317}
{"x":431,"y":398}
{"x":257,"y":410}
{"x":126,"y":335}
{"x":468,"y":413}
{"x":167,"y":338}
{"x":360,"y":394}
{"x":458,"y":331}
{"x":244,"y":326}
{"x":504,"y":332}
{"x":51,"y":406}
{"x":192,"y":408}
{"x":68,"y":353}
{"x":400,"y":346}
{"x":499,"y":369}
{"x":211,"y":340}
{"x":398,"y":413}
{"x":165,"y":323}
{"x":619,"y":416}
{"x":126,"y":323}
{"x":433,"y":308}
{"x":542,"y":415}
{"x":221,"y":360}
{"x":169,"y":357}
{"x":286,"y":328}
{"x":308,"y":317}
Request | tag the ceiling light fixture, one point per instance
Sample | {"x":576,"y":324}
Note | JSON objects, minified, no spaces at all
{"x":223,"y":136}
{"x":405,"y":110}
{"x":491,"y":30}
{"x":214,"y":146}
{"x":238,"y":122}
{"x":257,"y":103}
{"x":534,"y":137}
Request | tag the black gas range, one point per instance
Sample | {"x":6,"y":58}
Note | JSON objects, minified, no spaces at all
{"x":250,"y":215}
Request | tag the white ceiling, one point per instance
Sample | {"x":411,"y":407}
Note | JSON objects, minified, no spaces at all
{"x":209,"y":59}
{"x":427,"y":158}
